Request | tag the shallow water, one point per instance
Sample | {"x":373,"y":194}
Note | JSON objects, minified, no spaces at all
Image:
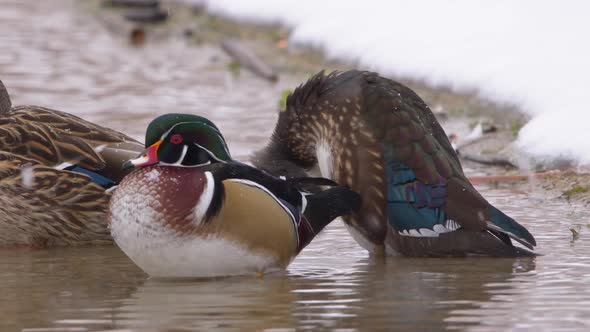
{"x":55,"y":56}
{"x":333,"y":284}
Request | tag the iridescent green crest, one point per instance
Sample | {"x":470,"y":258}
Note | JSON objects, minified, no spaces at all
{"x":193,"y":129}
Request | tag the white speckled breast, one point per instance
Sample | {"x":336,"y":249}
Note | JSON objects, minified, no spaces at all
{"x":152,"y":220}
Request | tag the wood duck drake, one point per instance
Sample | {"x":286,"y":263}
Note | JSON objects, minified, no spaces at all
{"x":54,"y":172}
{"x":189,"y":210}
{"x":379,"y":138}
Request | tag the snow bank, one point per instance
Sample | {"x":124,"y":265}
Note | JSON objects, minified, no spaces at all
{"x":530,"y":52}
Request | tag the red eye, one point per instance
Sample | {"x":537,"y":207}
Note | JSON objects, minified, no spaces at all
{"x":176,"y":139}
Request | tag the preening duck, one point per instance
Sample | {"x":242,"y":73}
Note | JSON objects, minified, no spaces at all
{"x":379,"y":138}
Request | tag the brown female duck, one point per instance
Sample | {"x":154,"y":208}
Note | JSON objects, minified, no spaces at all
{"x":55,"y":169}
{"x":381,"y":139}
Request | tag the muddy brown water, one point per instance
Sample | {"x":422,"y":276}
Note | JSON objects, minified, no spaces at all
{"x":54,"y":55}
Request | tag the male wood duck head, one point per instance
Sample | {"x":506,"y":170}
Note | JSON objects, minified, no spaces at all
{"x":380,"y":139}
{"x":182,"y":140}
{"x":189,"y":210}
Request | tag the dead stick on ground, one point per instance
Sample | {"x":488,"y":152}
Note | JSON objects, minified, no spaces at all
{"x":490,"y":161}
{"x":246,"y":58}
{"x":468,"y":142}
{"x":513,"y":178}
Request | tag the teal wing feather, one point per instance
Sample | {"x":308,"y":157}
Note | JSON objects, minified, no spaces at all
{"x":426,"y":187}
{"x":427,"y":191}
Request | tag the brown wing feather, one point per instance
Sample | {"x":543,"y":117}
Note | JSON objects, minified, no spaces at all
{"x":387,"y":112}
{"x":378,"y":137}
{"x":55,"y":208}
{"x":403,"y":121}
{"x":53,"y":137}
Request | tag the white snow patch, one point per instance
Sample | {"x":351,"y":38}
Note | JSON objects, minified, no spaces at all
{"x":533,"y":53}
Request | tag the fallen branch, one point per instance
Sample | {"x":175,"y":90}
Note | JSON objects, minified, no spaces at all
{"x":490,"y":161}
{"x":246,"y":58}
{"x":132,"y":3}
{"x":468,"y":142}
{"x":146,"y":15}
{"x":513,"y":178}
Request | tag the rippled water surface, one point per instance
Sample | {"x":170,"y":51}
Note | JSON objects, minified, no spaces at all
{"x":56,"y":56}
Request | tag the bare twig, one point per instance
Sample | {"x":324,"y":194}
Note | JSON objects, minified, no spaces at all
{"x":513,"y":178}
{"x":468,"y":142}
{"x":246,"y":58}
{"x":132,"y":3}
{"x":490,"y":161}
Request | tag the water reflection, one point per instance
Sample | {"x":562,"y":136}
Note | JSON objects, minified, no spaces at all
{"x":223,"y":304}
{"x":99,"y":288}
{"x":41,"y":287}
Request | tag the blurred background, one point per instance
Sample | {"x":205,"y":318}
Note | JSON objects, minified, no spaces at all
{"x":507,"y":80}
{"x":530,"y":53}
